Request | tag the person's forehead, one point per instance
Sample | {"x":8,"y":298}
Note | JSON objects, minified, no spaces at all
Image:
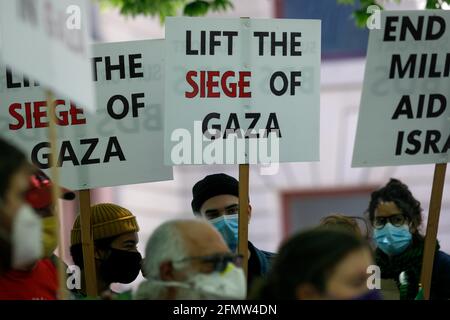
{"x":219,"y":202}
{"x":387,"y":208}
{"x":355,"y":262}
{"x":201,"y":239}
{"x":131,"y":236}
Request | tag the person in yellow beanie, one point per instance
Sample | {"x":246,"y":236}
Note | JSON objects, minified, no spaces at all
{"x":115,"y":237}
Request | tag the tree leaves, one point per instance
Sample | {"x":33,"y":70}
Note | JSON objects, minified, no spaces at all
{"x":196,"y":8}
{"x":165,"y":8}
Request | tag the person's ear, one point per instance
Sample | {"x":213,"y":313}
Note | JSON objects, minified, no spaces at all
{"x":249,"y":212}
{"x":307,"y":291}
{"x":166,"y":271}
{"x":413,"y":228}
{"x":144,"y":273}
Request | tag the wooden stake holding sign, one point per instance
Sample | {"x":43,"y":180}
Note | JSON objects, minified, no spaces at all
{"x":62,"y":294}
{"x":243,"y":210}
{"x":233,"y":70}
{"x":243,"y":214}
{"x":85,"y":216}
{"x":87,"y":242}
{"x":432,"y":227}
{"x":387,"y":125}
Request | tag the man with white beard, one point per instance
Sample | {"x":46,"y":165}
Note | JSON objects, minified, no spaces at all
{"x":189,"y":260}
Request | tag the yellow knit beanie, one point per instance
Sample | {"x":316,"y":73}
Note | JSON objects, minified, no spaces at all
{"x":107,"y":220}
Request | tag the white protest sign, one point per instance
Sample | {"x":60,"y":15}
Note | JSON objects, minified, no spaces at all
{"x":48,"y":41}
{"x":121,"y":144}
{"x":241,"y":79}
{"x":404,"y":117}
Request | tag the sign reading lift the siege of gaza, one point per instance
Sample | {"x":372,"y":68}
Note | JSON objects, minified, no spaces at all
{"x":122,"y":143}
{"x":404,"y":116}
{"x":242,"y":91}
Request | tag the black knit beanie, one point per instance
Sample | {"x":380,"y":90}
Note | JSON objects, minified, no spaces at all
{"x":211,"y":186}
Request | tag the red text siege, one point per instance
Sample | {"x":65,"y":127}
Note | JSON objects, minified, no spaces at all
{"x":211,"y":84}
{"x":34,"y":114}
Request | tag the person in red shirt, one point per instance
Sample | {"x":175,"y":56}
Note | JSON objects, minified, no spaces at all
{"x":38,"y":281}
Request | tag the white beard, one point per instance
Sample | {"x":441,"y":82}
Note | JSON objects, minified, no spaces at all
{"x":151,"y":290}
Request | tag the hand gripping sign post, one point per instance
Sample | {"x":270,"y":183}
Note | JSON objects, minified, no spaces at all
{"x":404,"y":114}
{"x":241,"y":91}
{"x":121,"y":144}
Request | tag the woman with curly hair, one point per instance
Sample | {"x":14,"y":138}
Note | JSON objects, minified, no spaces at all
{"x":396,"y":217}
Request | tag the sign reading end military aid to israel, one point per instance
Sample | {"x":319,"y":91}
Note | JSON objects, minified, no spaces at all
{"x":48,"y":40}
{"x":404,"y":117}
{"x":122,"y":143}
{"x":242,"y":91}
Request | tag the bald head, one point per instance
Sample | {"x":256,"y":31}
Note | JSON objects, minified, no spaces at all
{"x":178,"y":239}
{"x":200,"y":238}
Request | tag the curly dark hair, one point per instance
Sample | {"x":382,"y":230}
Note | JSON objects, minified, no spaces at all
{"x":399,"y":193}
{"x":307,"y":258}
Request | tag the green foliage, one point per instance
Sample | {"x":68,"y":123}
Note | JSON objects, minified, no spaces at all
{"x":360,"y":15}
{"x":165,"y":8}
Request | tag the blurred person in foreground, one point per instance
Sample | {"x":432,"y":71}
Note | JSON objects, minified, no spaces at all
{"x":320,"y":264}
{"x":117,"y":260}
{"x":396,"y":217}
{"x":39,"y":279}
{"x":188,"y":259}
{"x":20,"y":227}
{"x":216,"y":199}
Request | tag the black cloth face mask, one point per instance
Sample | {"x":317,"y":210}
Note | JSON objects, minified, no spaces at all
{"x":121,"y":266}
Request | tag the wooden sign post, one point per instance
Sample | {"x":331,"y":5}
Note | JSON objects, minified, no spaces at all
{"x":87,"y":242}
{"x":244,"y":176}
{"x":243,"y":214}
{"x":432,"y":227}
{"x":62,"y":294}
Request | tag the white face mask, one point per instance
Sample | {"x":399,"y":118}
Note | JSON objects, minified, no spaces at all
{"x":26,"y":238}
{"x":228,"y":284}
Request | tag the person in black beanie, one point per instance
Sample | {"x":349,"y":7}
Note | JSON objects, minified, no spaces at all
{"x":216,"y":199}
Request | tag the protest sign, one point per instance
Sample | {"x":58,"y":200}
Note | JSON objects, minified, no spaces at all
{"x":122,"y":143}
{"x":404,"y":114}
{"x":241,"y":79}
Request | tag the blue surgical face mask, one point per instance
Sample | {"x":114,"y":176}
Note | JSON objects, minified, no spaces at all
{"x":393,"y":240}
{"x":228,"y":226}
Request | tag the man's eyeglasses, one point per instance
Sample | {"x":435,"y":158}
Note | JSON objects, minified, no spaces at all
{"x":219,"y":262}
{"x":397,"y":220}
